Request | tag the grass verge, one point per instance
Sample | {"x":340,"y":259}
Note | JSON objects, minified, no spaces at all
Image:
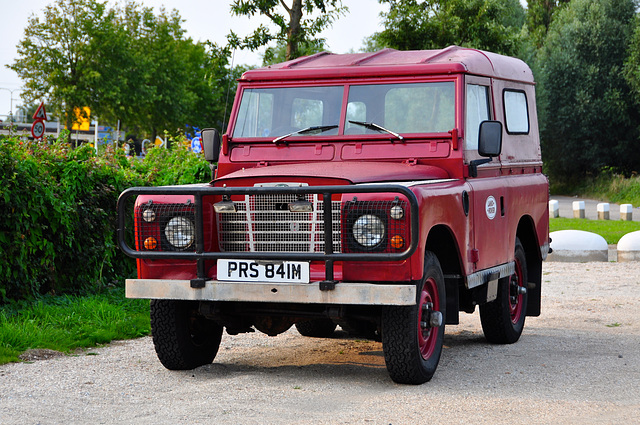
{"x":609,"y":187}
{"x":610,"y":230}
{"x":66,"y":323}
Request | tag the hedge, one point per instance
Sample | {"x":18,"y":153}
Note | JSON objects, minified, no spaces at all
{"x":58,"y":212}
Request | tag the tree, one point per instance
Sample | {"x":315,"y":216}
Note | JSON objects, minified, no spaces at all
{"x":588,"y":117}
{"x":291,"y":26}
{"x":433,"y":24}
{"x":57,"y":58}
{"x":539,"y":16}
{"x":126,"y":64}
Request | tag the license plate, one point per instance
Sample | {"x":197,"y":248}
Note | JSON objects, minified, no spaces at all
{"x":263,"y":271}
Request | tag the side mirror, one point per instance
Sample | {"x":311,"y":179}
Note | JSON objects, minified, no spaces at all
{"x":211,"y":144}
{"x":490,"y":138}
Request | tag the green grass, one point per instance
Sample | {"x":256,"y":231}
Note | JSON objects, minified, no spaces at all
{"x":66,"y":323}
{"x":610,"y":230}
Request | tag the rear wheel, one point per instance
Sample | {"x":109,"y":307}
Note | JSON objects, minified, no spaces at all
{"x":503,"y":319}
{"x":316,"y":328}
{"x":412,"y":336}
{"x":183,"y":338}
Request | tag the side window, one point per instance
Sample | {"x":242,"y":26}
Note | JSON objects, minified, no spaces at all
{"x":477,"y":111}
{"x":516,"y":112}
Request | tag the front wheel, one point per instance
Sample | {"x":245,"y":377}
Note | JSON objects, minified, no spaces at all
{"x":503,"y":319}
{"x":412,"y":336}
{"x":183,"y":338}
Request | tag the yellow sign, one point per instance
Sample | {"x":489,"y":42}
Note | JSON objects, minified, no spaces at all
{"x":82,"y":123}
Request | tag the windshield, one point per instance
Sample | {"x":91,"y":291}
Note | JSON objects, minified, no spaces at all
{"x":275,"y":112}
{"x":371,"y":109}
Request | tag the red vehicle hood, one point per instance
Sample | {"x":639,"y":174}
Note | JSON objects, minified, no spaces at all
{"x":351,"y":172}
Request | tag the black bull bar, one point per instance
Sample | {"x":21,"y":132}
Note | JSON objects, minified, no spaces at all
{"x":328,"y":256}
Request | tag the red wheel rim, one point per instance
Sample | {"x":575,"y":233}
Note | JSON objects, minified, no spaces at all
{"x":427,"y":335}
{"x":515,"y":295}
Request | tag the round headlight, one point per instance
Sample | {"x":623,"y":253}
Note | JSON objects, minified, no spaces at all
{"x":368,"y":230}
{"x":180,"y":232}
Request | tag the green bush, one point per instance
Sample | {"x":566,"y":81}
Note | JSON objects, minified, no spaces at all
{"x":58,"y":212}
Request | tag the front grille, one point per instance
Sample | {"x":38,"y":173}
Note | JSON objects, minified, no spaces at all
{"x":263,"y":223}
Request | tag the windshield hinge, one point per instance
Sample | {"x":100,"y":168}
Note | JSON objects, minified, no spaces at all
{"x":411,"y":161}
{"x":263,"y":164}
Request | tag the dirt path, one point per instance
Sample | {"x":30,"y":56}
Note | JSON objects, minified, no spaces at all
{"x":578,"y":363}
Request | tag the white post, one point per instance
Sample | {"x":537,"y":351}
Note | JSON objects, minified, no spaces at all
{"x":95,"y":136}
{"x":118,"y":135}
{"x":626,"y":212}
{"x":578,"y":209}
{"x":603,"y":211}
{"x":554,"y":208}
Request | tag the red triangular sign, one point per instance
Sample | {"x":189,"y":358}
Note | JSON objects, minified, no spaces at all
{"x":41,"y":113}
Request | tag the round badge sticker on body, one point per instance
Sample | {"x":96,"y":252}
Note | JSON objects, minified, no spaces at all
{"x":490,"y":207}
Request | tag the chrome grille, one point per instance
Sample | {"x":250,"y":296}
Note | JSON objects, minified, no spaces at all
{"x":263,"y":223}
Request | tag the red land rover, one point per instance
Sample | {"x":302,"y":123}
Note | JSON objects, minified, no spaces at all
{"x":422,"y":169}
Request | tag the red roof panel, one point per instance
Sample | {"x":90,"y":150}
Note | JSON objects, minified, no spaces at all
{"x":390,"y":62}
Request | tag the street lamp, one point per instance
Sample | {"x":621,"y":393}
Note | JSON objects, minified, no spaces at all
{"x":10,"y":102}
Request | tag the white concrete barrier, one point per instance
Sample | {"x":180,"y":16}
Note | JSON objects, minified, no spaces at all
{"x":554,"y":208}
{"x":577,"y":246}
{"x":629,"y":247}
{"x":578,"y":209}
{"x":626,"y":212}
{"x":603,"y":211}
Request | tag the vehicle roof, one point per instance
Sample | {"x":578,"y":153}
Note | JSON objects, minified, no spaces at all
{"x":391,"y":62}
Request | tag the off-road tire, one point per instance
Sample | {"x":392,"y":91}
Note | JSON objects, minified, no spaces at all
{"x":411,"y":352}
{"x":316,"y":328}
{"x":183,"y":339}
{"x":503,"y":319}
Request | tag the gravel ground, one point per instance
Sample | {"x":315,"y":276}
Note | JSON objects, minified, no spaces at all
{"x":577,"y":363}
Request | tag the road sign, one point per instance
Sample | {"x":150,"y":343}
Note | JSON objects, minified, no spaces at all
{"x":41,"y":113}
{"x":37,"y":129}
{"x":196,"y":145}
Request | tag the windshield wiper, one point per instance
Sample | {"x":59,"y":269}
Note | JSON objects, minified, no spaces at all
{"x":319,"y":128}
{"x":374,"y":126}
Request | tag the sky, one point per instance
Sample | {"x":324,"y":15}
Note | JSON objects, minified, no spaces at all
{"x":204,"y":20}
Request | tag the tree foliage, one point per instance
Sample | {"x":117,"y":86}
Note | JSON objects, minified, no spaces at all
{"x":292,"y":27}
{"x":539,"y":16}
{"x":434,"y":24}
{"x":58,"y":58}
{"x":588,"y":119}
{"x":126,"y":63}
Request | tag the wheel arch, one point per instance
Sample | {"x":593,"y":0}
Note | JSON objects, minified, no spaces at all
{"x":528,"y":237}
{"x":442,"y":242}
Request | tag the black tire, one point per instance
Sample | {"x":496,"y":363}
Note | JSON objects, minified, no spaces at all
{"x":412,"y":345}
{"x":316,"y":328}
{"x":503,"y":319}
{"x":183,"y":339}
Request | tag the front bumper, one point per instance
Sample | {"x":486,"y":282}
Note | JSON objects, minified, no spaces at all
{"x":214,"y":290}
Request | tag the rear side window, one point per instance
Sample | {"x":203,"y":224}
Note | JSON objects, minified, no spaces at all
{"x":516,"y":112}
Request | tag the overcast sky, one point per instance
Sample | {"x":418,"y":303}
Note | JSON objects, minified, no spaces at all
{"x":204,"y":20}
